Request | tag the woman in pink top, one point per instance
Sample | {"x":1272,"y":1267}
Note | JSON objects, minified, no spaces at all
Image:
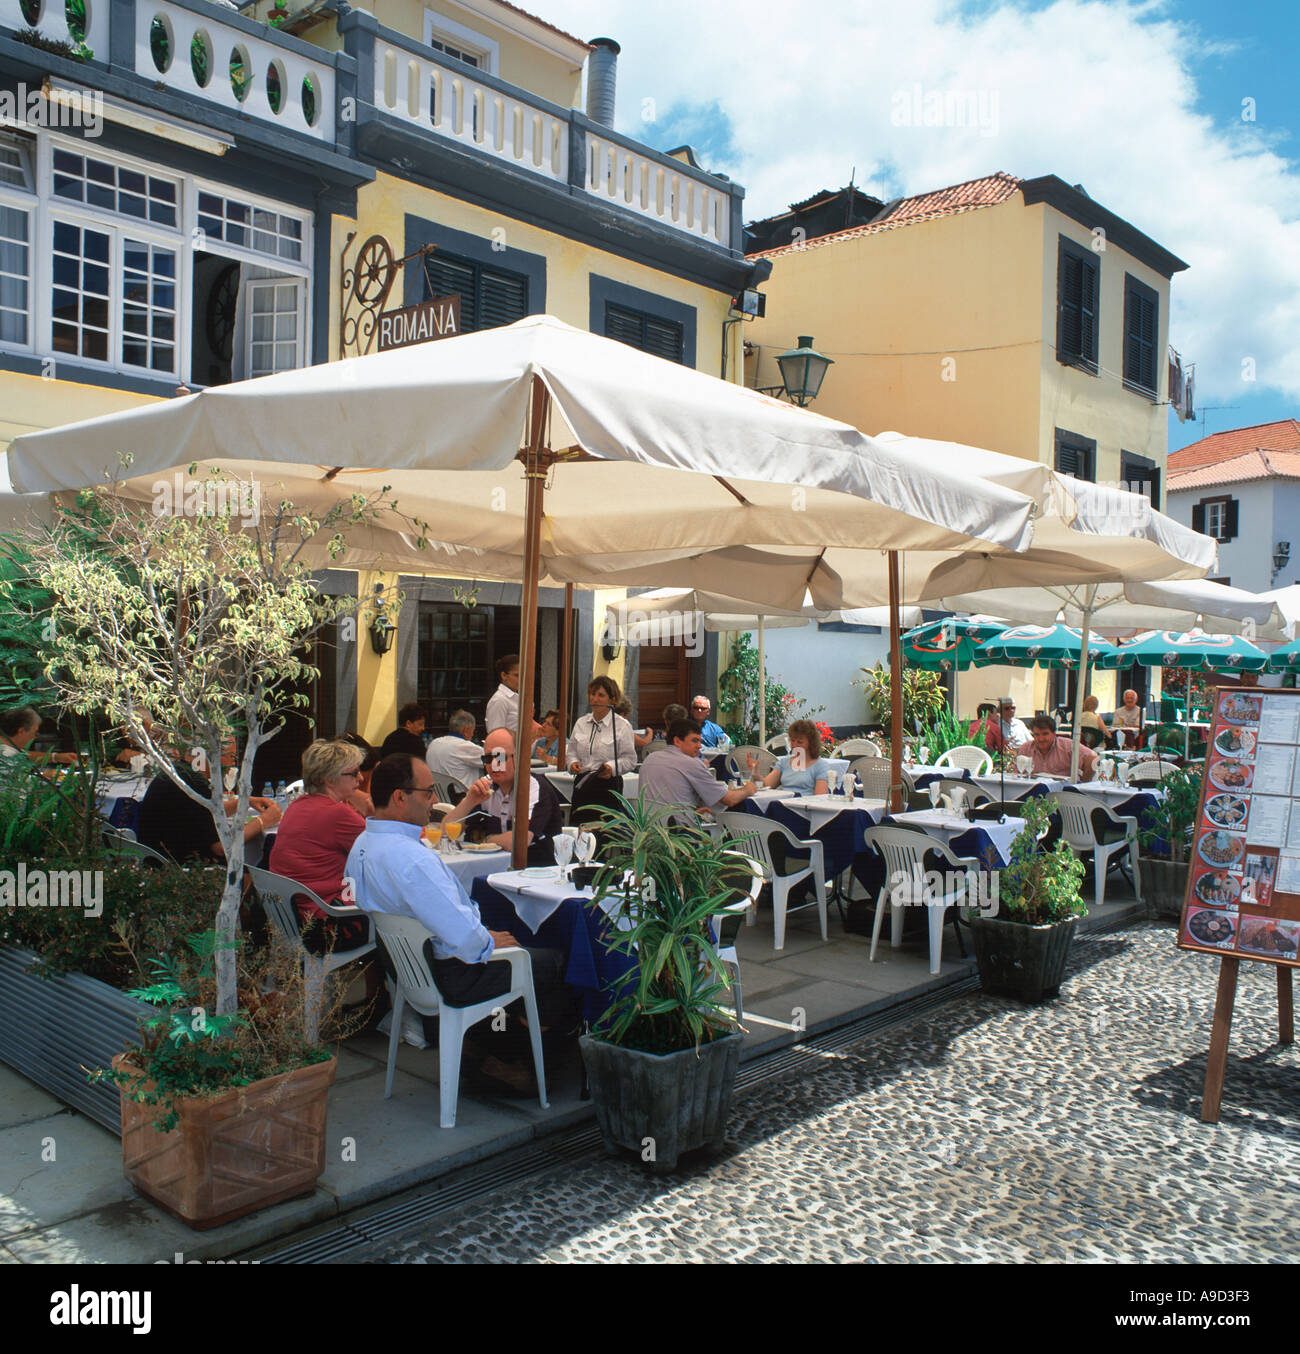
{"x":315,"y":837}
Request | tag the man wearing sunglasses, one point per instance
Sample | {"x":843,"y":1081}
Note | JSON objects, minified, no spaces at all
{"x":493,"y":795}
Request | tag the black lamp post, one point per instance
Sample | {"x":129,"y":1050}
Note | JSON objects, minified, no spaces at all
{"x":803,"y":369}
{"x":382,"y":630}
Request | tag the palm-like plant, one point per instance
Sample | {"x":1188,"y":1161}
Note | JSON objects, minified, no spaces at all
{"x":667,"y":879}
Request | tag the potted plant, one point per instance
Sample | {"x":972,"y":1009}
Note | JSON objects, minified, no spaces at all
{"x":223,"y":1114}
{"x":1165,"y":838}
{"x":1021,"y":946}
{"x":662,"y":1061}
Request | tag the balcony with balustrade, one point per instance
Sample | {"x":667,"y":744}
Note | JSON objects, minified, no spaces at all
{"x":385,"y":99}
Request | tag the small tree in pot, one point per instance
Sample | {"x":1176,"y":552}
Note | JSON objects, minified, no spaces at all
{"x":1166,"y":838}
{"x":1022,"y":948}
{"x":662,"y":1062}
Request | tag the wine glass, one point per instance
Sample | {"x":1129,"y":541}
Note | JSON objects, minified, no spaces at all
{"x":563,"y":845}
{"x":933,"y":791}
{"x":229,"y":779}
{"x":959,"y":801}
{"x":585,"y":847}
{"x":832,"y":780}
{"x":924,"y":753}
{"x":433,"y":834}
{"x":452,"y":831}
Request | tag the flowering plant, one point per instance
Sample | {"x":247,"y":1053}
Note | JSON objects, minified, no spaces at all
{"x":828,"y":738}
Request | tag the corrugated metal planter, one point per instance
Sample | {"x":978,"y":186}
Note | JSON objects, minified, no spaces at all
{"x":1015,"y":960}
{"x":1164,"y":885}
{"x":233,"y":1154}
{"x":53,"y":1028}
{"x":662,"y":1104}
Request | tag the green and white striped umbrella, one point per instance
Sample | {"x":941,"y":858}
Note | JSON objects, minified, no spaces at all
{"x":1193,"y":649}
{"x":1046,"y":646}
{"x":952,"y":643}
{"x":1285,"y":659}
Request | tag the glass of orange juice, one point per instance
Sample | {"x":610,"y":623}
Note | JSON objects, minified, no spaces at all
{"x":453,"y":831}
{"x":433,"y":835}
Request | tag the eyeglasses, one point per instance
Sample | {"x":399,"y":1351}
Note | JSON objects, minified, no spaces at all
{"x":426,"y":790}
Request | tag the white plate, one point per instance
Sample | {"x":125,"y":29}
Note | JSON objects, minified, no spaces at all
{"x":540,"y":872}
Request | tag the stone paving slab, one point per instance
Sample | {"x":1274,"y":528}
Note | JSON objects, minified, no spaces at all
{"x":22,"y":1101}
{"x":986,"y":1131}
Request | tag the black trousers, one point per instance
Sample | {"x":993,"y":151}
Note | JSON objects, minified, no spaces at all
{"x":460,"y":984}
{"x":593,"y":795}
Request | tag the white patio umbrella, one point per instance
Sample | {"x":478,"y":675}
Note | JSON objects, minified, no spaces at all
{"x":563,"y":445}
{"x":1121,"y":607}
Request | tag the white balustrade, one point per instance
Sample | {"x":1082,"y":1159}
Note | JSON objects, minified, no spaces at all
{"x":677,"y":198}
{"x":196,"y":45}
{"x":50,"y":19}
{"x":455,"y":104}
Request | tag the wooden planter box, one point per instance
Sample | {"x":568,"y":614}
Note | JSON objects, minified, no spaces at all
{"x":680,"y":1100}
{"x":232,"y":1154}
{"x":54,"y":1030}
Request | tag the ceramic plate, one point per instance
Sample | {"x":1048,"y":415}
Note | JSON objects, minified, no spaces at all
{"x":1231,"y":775}
{"x":540,"y":872}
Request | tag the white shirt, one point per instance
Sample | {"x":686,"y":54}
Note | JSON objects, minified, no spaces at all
{"x":593,"y":745}
{"x":502,"y":710}
{"x":457,"y":757}
{"x":1015,"y":732}
{"x":500,"y":804}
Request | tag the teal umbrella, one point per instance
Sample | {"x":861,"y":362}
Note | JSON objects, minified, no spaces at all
{"x":1285,"y":659}
{"x":1047,"y":646}
{"x":940,"y":646}
{"x":1194,"y":649}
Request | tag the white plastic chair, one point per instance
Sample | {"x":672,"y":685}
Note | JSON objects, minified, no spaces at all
{"x":754,"y":832}
{"x":1077,"y":812}
{"x":738,"y":764}
{"x":293,"y":790}
{"x":447,"y":790}
{"x":727,"y":953}
{"x":904,"y":853}
{"x":403,"y":940}
{"x":873,"y":776}
{"x":128,"y":848}
{"x":277,"y":893}
{"x":1144,"y":772}
{"x":778,"y":743}
{"x":968,"y":757}
{"x":857,"y":747}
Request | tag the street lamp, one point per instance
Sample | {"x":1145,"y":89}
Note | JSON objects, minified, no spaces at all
{"x":803,"y":369}
{"x":1281,"y":557}
{"x":382,"y":629}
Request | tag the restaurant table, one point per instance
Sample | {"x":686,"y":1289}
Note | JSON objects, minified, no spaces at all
{"x":923,"y":773}
{"x":834,"y":820}
{"x":985,"y":838}
{"x":563,"y":782}
{"x":578,"y":929}
{"x":468,"y":866}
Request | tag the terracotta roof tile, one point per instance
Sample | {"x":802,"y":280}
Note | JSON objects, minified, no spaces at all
{"x":1251,"y":465}
{"x":961,"y":197}
{"x":505,"y":4}
{"x":1284,"y":435}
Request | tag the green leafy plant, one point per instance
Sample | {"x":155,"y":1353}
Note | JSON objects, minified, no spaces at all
{"x":1039,"y":886}
{"x":944,"y":732}
{"x":667,"y":879}
{"x":1168,"y":826}
{"x":924,"y":696}
{"x":738,"y":697}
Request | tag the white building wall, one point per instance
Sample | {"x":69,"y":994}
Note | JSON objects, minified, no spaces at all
{"x":820,"y":666}
{"x":1247,"y":559}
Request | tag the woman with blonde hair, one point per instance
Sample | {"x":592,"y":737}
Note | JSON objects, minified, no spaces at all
{"x":804,"y":770}
{"x":316,"y":835}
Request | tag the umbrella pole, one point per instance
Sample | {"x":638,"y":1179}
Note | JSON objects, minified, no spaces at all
{"x":535,"y":469}
{"x":1083,"y":681}
{"x":566,"y":675}
{"x":762,"y":689}
{"x":895,"y":691}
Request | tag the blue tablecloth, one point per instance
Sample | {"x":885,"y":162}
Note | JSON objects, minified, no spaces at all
{"x":575,"y":929}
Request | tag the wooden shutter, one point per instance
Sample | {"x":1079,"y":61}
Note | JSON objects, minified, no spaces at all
{"x":1088,"y":311}
{"x":447,"y":275}
{"x":663,"y":339}
{"x":1076,"y":337}
{"x":623,"y":325}
{"x":503,"y":298}
{"x":650,"y":334}
{"x":1140,"y":324}
{"x":1229,"y":520}
{"x":1198,"y":517}
{"x":489,"y":297}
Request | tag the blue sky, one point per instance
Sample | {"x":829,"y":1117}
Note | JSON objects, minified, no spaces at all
{"x":1139,"y":100}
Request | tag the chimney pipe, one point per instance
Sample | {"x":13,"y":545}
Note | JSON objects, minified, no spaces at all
{"x":602,"y":74}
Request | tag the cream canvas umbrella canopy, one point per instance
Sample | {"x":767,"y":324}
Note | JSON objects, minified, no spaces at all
{"x":539,"y":442}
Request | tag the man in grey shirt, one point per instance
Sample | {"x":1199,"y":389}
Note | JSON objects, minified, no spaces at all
{"x":676,"y":778}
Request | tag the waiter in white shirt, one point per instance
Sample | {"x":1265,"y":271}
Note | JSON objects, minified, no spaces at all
{"x":600,"y":748}
{"x":503,"y":704}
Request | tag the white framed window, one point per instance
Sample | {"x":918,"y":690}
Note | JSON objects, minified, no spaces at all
{"x":461,"y":43}
{"x":116,"y":188}
{"x":1216,"y":519}
{"x":148,"y":306}
{"x":15,"y":275}
{"x":275,"y":320}
{"x":16,"y":161}
{"x":81,"y":293}
{"x":248,"y":226}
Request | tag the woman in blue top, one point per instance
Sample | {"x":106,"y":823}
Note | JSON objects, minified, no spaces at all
{"x":804,"y":770}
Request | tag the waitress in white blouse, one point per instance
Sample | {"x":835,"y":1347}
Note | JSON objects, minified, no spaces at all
{"x":600,"y":749}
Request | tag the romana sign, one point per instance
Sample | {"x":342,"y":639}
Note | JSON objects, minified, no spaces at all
{"x":437,"y":318}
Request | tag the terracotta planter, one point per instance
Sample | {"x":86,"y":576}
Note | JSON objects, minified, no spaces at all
{"x":678,"y":1101}
{"x":250,"y":1148}
{"x":1016,"y":960}
{"x":1164,"y":885}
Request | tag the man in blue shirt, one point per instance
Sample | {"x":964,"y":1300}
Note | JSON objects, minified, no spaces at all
{"x":711,"y":734}
{"x":390,"y":870}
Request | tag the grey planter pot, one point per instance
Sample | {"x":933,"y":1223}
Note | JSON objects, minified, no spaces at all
{"x":53,"y":1028}
{"x":1164,"y":885}
{"x":1026,"y":962}
{"x":677,"y":1100}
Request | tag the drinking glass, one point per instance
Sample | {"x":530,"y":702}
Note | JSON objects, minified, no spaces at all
{"x":433,"y":835}
{"x":933,"y":791}
{"x":585,"y":847}
{"x":452,"y":831}
{"x":832,"y":780}
{"x":563,"y":845}
{"x":924,"y":754}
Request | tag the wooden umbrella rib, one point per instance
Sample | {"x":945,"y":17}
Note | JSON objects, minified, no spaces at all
{"x":735,"y":493}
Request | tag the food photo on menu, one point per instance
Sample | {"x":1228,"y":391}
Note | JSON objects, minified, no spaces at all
{"x":1216,"y":888}
{"x":1205,"y":927}
{"x":1234,"y":708}
{"x":1263,"y":935}
{"x":1221,"y":848}
{"x":1257,"y":879}
{"x":1231,"y":774}
{"x":1235,"y":742}
{"x":1227,"y":811}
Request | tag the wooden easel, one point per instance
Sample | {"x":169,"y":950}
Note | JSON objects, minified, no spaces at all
{"x":1217,"y":1061}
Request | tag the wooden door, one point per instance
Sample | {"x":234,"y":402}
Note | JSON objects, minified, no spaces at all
{"x":661,"y":680}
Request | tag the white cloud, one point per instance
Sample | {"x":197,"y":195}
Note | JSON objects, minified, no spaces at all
{"x":1101,"y":92}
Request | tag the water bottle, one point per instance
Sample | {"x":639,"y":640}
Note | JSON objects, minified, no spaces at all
{"x":282,"y":795}
{"x":268,"y":791}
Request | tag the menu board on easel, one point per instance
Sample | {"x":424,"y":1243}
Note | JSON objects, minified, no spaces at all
{"x":1243,"y":894}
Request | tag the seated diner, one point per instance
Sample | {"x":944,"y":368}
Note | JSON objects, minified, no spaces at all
{"x":803,"y":769}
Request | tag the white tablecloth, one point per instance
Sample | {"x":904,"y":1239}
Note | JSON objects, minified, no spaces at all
{"x":563,"y":782}
{"x":468,"y":866}
{"x":820,"y":809}
{"x":534,"y":900}
{"x":947,"y":826}
{"x":124,"y":787}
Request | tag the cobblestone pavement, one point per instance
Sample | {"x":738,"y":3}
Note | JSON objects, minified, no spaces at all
{"x":985,"y":1132}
